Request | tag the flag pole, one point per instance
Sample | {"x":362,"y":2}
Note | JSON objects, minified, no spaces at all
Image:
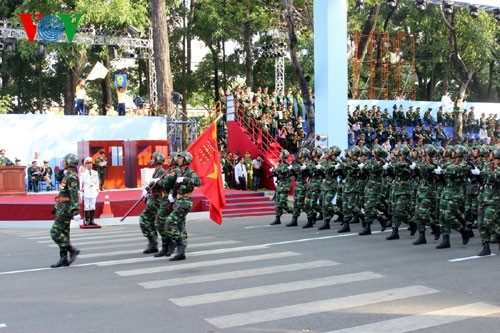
{"x":219,"y":118}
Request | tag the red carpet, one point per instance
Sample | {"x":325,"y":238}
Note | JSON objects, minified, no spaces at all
{"x":33,"y":207}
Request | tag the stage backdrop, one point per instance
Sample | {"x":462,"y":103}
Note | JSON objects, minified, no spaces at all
{"x":55,"y":136}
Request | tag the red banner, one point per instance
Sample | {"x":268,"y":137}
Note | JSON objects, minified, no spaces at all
{"x":206,"y":163}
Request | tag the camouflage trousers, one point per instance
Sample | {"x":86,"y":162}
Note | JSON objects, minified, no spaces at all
{"x":282,"y":203}
{"x":374,"y":201}
{"x":350,"y":205}
{"x":148,"y":216}
{"x":399,"y":210}
{"x":60,"y":231}
{"x":176,"y":221}
{"x":299,"y":197}
{"x":471,"y":203}
{"x":329,"y":209}
{"x":311,"y":203}
{"x":161,"y":219}
{"x":451,"y":209}
{"x":489,"y":207}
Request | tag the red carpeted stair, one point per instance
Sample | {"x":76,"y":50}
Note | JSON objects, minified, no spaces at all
{"x":244,"y":203}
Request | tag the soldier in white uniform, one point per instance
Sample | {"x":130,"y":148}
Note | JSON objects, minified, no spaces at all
{"x":89,"y":189}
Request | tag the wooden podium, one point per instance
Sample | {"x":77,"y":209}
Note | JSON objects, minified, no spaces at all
{"x":12,"y":180}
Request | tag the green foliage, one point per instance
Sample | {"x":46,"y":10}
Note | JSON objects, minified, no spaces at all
{"x":5,"y":104}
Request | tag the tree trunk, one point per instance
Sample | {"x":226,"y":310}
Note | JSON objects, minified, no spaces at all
{"x":162,"y":56}
{"x":292,"y":36}
{"x":366,"y":31}
{"x":248,"y":53}
{"x":74,"y":76}
{"x":105,"y":85}
{"x":215,"y":60}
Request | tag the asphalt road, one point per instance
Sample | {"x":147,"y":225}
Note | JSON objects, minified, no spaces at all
{"x":246,"y":276}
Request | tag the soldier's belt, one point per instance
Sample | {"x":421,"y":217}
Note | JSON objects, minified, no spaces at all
{"x":184,"y":195}
{"x":62,"y":199}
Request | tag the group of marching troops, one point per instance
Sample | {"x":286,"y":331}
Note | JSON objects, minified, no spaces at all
{"x":441,"y":188}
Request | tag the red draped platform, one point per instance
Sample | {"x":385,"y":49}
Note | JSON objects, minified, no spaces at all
{"x":38,"y":206}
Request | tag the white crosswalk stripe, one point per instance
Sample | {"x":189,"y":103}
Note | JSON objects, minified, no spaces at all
{"x":237,"y":274}
{"x":425,"y":320}
{"x":274,"y":289}
{"x":328,"y":305}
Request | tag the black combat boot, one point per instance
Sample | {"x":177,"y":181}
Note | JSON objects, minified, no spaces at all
{"x":486,"y":250}
{"x":345,"y":228}
{"x":293,"y":222}
{"x":309,"y":223}
{"x":495,"y":240}
{"x":421,"y":239}
{"x":277,"y":220}
{"x":383,"y":223}
{"x":152,"y":246}
{"x":181,"y":251}
{"x":320,"y":216}
{"x":91,"y":217}
{"x":465,"y":236}
{"x":413,"y":228}
{"x":171,"y":247}
{"x":164,"y":249}
{"x":325,"y":225}
{"x":394,"y":234}
{"x":445,"y":243}
{"x":86,"y":217}
{"x":354,"y":219}
{"x":366,"y":231}
{"x":73,"y":253}
{"x":468,"y":230}
{"x":340,"y":218}
{"x":436,"y":231}
{"x":63,"y":260}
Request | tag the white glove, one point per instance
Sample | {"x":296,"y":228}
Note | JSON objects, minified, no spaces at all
{"x":413,"y":166}
{"x":303,"y":167}
{"x":318,"y":166}
{"x":77,"y":217}
{"x":344,"y":181}
{"x":476,"y":171}
{"x":361,"y":165}
{"x":290,"y":167}
{"x":438,"y":171}
{"x":144,"y":193}
{"x":385,"y":166}
{"x":171,"y":197}
{"x":337,"y":166}
{"x":179,"y":179}
{"x":272,"y":169}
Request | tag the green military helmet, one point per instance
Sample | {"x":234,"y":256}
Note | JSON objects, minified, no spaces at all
{"x":460,"y":151}
{"x":305,"y":152}
{"x":285,"y":153}
{"x":381,"y":153}
{"x":336,"y":150}
{"x":450,"y":149}
{"x":365,"y":151}
{"x":404,"y":150}
{"x":440,"y":151}
{"x":187,"y":156}
{"x":355,"y":151}
{"x":430,"y":150}
{"x":348,"y":152}
{"x":71,"y":160}
{"x":159,"y":157}
{"x":496,"y":153}
{"x":319,"y":151}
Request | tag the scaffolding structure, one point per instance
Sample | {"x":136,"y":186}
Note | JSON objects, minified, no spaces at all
{"x":387,"y":71}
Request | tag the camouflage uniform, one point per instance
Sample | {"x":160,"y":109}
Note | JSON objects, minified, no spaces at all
{"x":330,"y":186}
{"x":316,"y":175}
{"x":67,"y":206}
{"x":298,"y":170}
{"x":489,"y":203}
{"x":284,"y":181}
{"x":351,"y":190}
{"x":472,"y":191}
{"x":186,"y":181}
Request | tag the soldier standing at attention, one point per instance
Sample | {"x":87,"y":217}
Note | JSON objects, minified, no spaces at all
{"x":101,"y":163}
{"x":298,"y":169}
{"x":185,"y":183}
{"x":148,"y":215}
{"x":167,"y":186}
{"x":67,"y":206}
{"x":284,"y":181}
{"x":247,"y":161}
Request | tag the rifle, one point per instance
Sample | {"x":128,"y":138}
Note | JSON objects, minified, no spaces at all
{"x":139,"y":201}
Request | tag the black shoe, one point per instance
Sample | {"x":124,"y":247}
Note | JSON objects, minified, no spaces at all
{"x":486,"y":250}
{"x":421,"y":239}
{"x":171,"y":248}
{"x":178,"y":257}
{"x":366,"y":231}
{"x":73,"y":253}
{"x":63,"y":260}
{"x":325,"y":225}
{"x":293,"y":222}
{"x":393,"y":235}
{"x":345,"y":228}
{"x":445,"y":243}
{"x":309,"y":223}
{"x":465,"y":236}
{"x":276,"y":221}
{"x":181,"y":252}
{"x":413,"y":228}
{"x":383,"y":223}
{"x":163,"y":251}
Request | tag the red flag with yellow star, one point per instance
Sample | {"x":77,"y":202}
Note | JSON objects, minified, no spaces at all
{"x":206,"y":163}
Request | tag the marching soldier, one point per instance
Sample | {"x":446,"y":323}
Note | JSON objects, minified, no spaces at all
{"x":298,"y":170}
{"x":284,"y":181}
{"x":185,"y":183}
{"x":167,"y":186}
{"x":67,"y":206}
{"x":330,"y":186}
{"x":316,"y":175}
{"x":148,"y":215}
